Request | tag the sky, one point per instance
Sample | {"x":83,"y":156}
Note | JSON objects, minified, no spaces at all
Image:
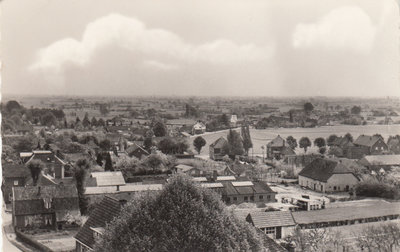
{"x":200,"y":47}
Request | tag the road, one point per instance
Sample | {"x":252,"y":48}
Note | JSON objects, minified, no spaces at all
{"x":7,"y":246}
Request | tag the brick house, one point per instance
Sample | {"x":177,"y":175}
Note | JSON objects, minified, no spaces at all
{"x":216,"y":149}
{"x":371,"y":145}
{"x":13,"y":175}
{"x":44,"y":206}
{"x":326,"y":175}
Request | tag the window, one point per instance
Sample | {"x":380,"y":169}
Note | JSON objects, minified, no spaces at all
{"x":269,"y":230}
{"x":334,"y":188}
{"x":15,"y":182}
{"x":228,"y":200}
{"x":268,"y":197}
{"x":261,"y":197}
{"x":246,"y":198}
{"x":252,"y":198}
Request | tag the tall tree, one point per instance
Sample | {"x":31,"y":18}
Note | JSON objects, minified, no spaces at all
{"x":108,"y":166}
{"x":198,"y":143}
{"x":246,"y":138}
{"x":331,"y":139}
{"x":234,"y":146}
{"x":308,"y":107}
{"x":99,"y":159}
{"x":86,"y":121}
{"x":356,"y":110}
{"x":159,"y":129}
{"x":304,"y":143}
{"x":81,"y":168}
{"x":349,"y":137}
{"x":94,"y":121}
{"x":35,"y":167}
{"x":292,"y":142}
{"x":182,"y":217}
{"x":320,"y":142}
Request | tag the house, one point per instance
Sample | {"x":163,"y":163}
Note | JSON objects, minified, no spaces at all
{"x":137,"y":151}
{"x":216,"y":149}
{"x":44,"y":206}
{"x":189,"y":170}
{"x":393,"y":144}
{"x":237,"y":192}
{"x":377,"y":162}
{"x":275,"y":148}
{"x":325,"y":175}
{"x":275,"y":224}
{"x":371,"y":145}
{"x":13,"y":175}
{"x":105,"y":211}
{"x":54,"y":164}
{"x":199,"y":128}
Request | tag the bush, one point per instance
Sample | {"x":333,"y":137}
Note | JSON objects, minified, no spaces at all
{"x":375,"y":189}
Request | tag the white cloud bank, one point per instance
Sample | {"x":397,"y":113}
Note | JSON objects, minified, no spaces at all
{"x":133,"y":35}
{"x":345,"y":27}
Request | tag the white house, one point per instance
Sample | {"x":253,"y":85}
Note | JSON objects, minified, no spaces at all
{"x":199,"y":128}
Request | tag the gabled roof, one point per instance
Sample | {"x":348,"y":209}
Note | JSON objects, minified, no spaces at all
{"x":104,"y":212}
{"x":15,"y":171}
{"x":109,"y":178}
{"x":287,"y":151}
{"x":322,"y":169}
{"x":364,"y":140}
{"x":277,"y":142}
{"x":46,"y":157}
{"x":40,"y":192}
{"x":219,"y":143}
{"x":271,"y":219}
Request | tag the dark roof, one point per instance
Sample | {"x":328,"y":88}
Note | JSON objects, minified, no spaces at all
{"x":219,"y":143}
{"x":28,"y":200}
{"x":271,"y":219}
{"x":364,"y":140}
{"x":135,"y":147}
{"x":104,"y":212}
{"x":15,"y":171}
{"x":322,"y":169}
{"x":287,"y":151}
{"x":254,"y":187}
{"x":277,"y":142}
{"x":342,"y":142}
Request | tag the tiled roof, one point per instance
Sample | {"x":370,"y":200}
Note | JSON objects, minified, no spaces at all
{"x":271,"y":219}
{"x":56,"y":191}
{"x":15,"y":171}
{"x":108,"y":178}
{"x":322,"y":169}
{"x":104,"y":212}
{"x":365,"y":140}
{"x":219,"y":143}
{"x":346,"y":213}
{"x":277,"y":142}
{"x":381,"y":159}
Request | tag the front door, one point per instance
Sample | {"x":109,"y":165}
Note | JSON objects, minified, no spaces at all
{"x":278,"y":232}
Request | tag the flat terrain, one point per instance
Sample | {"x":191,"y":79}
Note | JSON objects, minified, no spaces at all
{"x":263,"y":136}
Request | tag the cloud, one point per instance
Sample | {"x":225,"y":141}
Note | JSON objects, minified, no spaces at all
{"x":345,"y":27}
{"x":154,"y":64}
{"x":131,"y":34}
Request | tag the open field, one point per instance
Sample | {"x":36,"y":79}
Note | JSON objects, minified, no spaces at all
{"x":263,"y":136}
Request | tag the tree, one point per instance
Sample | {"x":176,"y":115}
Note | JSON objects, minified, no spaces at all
{"x":292,"y":142}
{"x":331,"y":139}
{"x":86,"y":121}
{"x":101,"y":122}
{"x":159,"y":129}
{"x":94,"y":121}
{"x":385,"y":238}
{"x":349,"y":137}
{"x":182,"y":217}
{"x":320,"y":142}
{"x":82,"y":166}
{"x":24,"y":144}
{"x":246,"y":138}
{"x":356,"y":110}
{"x":198,"y":143}
{"x":153,"y":161}
{"x":308,"y":107}
{"x":224,"y":120}
{"x":234,"y":146}
{"x":99,"y":159}
{"x":105,"y":145}
{"x":103,"y":109}
{"x":12,"y":105}
{"x":108,"y":166}
{"x":48,"y":119}
{"x":36,"y":167}
{"x":172,"y":146}
{"x":322,"y":150}
{"x":304,"y":143}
